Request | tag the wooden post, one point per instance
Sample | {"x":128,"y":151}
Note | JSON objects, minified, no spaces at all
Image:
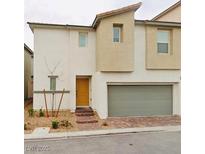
{"x":45,"y":102}
{"x":60,"y":102}
{"x":52,"y":112}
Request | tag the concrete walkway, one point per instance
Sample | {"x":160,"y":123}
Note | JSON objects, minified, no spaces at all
{"x":36,"y":136}
{"x":41,"y":131}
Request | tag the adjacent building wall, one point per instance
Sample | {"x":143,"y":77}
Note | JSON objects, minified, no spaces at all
{"x":172,"y":16}
{"x":112,"y":56}
{"x":28,"y":72}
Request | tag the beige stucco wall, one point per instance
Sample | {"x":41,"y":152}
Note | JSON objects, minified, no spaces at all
{"x":172,"y":16}
{"x":112,"y":56}
{"x":28,"y":72}
{"x":154,"y":60}
{"x":140,"y":75}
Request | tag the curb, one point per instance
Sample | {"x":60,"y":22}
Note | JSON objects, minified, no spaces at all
{"x":65,"y":135}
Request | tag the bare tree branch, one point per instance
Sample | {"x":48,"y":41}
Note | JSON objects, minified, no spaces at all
{"x":60,"y":75}
{"x":56,"y":66}
{"x":45,"y":60}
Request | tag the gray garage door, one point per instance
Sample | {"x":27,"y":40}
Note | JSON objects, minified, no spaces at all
{"x":139,"y":100}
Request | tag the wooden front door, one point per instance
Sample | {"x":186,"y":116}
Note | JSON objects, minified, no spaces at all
{"x":82,"y":92}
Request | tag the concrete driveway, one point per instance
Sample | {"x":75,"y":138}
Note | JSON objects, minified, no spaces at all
{"x":129,"y":143}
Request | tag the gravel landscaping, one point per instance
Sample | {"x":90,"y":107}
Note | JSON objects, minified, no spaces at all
{"x":37,"y":121}
{"x":67,"y":121}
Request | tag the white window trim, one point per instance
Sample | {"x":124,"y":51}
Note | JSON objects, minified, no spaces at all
{"x":119,"y":28}
{"x":169,"y":41}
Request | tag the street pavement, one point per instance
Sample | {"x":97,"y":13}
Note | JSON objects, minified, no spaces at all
{"x":128,"y":143}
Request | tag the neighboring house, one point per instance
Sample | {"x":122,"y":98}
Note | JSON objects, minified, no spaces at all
{"x":119,"y":66}
{"x":28,"y":72}
{"x":172,"y":14}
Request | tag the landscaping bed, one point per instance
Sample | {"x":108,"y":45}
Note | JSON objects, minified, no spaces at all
{"x":66,"y":121}
{"x":65,"y":118}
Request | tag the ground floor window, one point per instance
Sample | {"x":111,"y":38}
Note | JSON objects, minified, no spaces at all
{"x":53,"y":82}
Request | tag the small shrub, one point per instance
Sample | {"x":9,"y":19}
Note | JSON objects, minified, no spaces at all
{"x":31,"y":112}
{"x":66,"y":123}
{"x":55,"y":124}
{"x":41,"y":113}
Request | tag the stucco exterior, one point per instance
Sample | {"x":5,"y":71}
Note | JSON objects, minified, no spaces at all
{"x":132,"y":62}
{"x":107,"y":50}
{"x":140,"y":75}
{"x":154,"y":60}
{"x":54,"y":46}
{"x":172,"y":16}
{"x":58,"y":44}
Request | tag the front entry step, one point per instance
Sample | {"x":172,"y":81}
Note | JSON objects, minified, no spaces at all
{"x":86,"y":119}
{"x":85,"y":115}
{"x":83,"y":110}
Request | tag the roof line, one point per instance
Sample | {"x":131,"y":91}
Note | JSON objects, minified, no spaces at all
{"x":158,"y":23}
{"x":167,"y":10}
{"x":171,"y":22}
{"x":32,"y":24}
{"x":90,"y":27}
{"x":98,"y":17}
{"x":28,"y":49}
{"x":48,"y":24}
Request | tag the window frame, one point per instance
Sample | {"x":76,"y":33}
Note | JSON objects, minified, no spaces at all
{"x":113,"y":36}
{"x":169,"y":41}
{"x":86,"y":39}
{"x":53,"y":78}
{"x":120,"y":30}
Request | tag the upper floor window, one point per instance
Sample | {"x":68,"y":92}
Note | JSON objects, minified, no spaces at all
{"x":163,"y":41}
{"x":117,"y":33}
{"x":83,"y":39}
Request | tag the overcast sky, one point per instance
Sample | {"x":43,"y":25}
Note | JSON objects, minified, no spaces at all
{"x":82,"y":12}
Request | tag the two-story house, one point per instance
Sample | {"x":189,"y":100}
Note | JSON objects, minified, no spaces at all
{"x":119,"y":66}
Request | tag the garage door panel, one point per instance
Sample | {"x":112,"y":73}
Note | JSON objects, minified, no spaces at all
{"x":139,"y":100}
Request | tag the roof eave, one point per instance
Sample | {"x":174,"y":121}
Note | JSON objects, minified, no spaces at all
{"x":115,"y":12}
{"x":166,"y":11}
{"x":158,"y":23}
{"x":28,"y":49}
{"x":33,"y":25}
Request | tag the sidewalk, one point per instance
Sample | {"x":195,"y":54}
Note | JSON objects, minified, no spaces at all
{"x":63,"y":135}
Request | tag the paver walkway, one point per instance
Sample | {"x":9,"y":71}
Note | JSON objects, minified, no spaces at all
{"x":126,"y":122}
